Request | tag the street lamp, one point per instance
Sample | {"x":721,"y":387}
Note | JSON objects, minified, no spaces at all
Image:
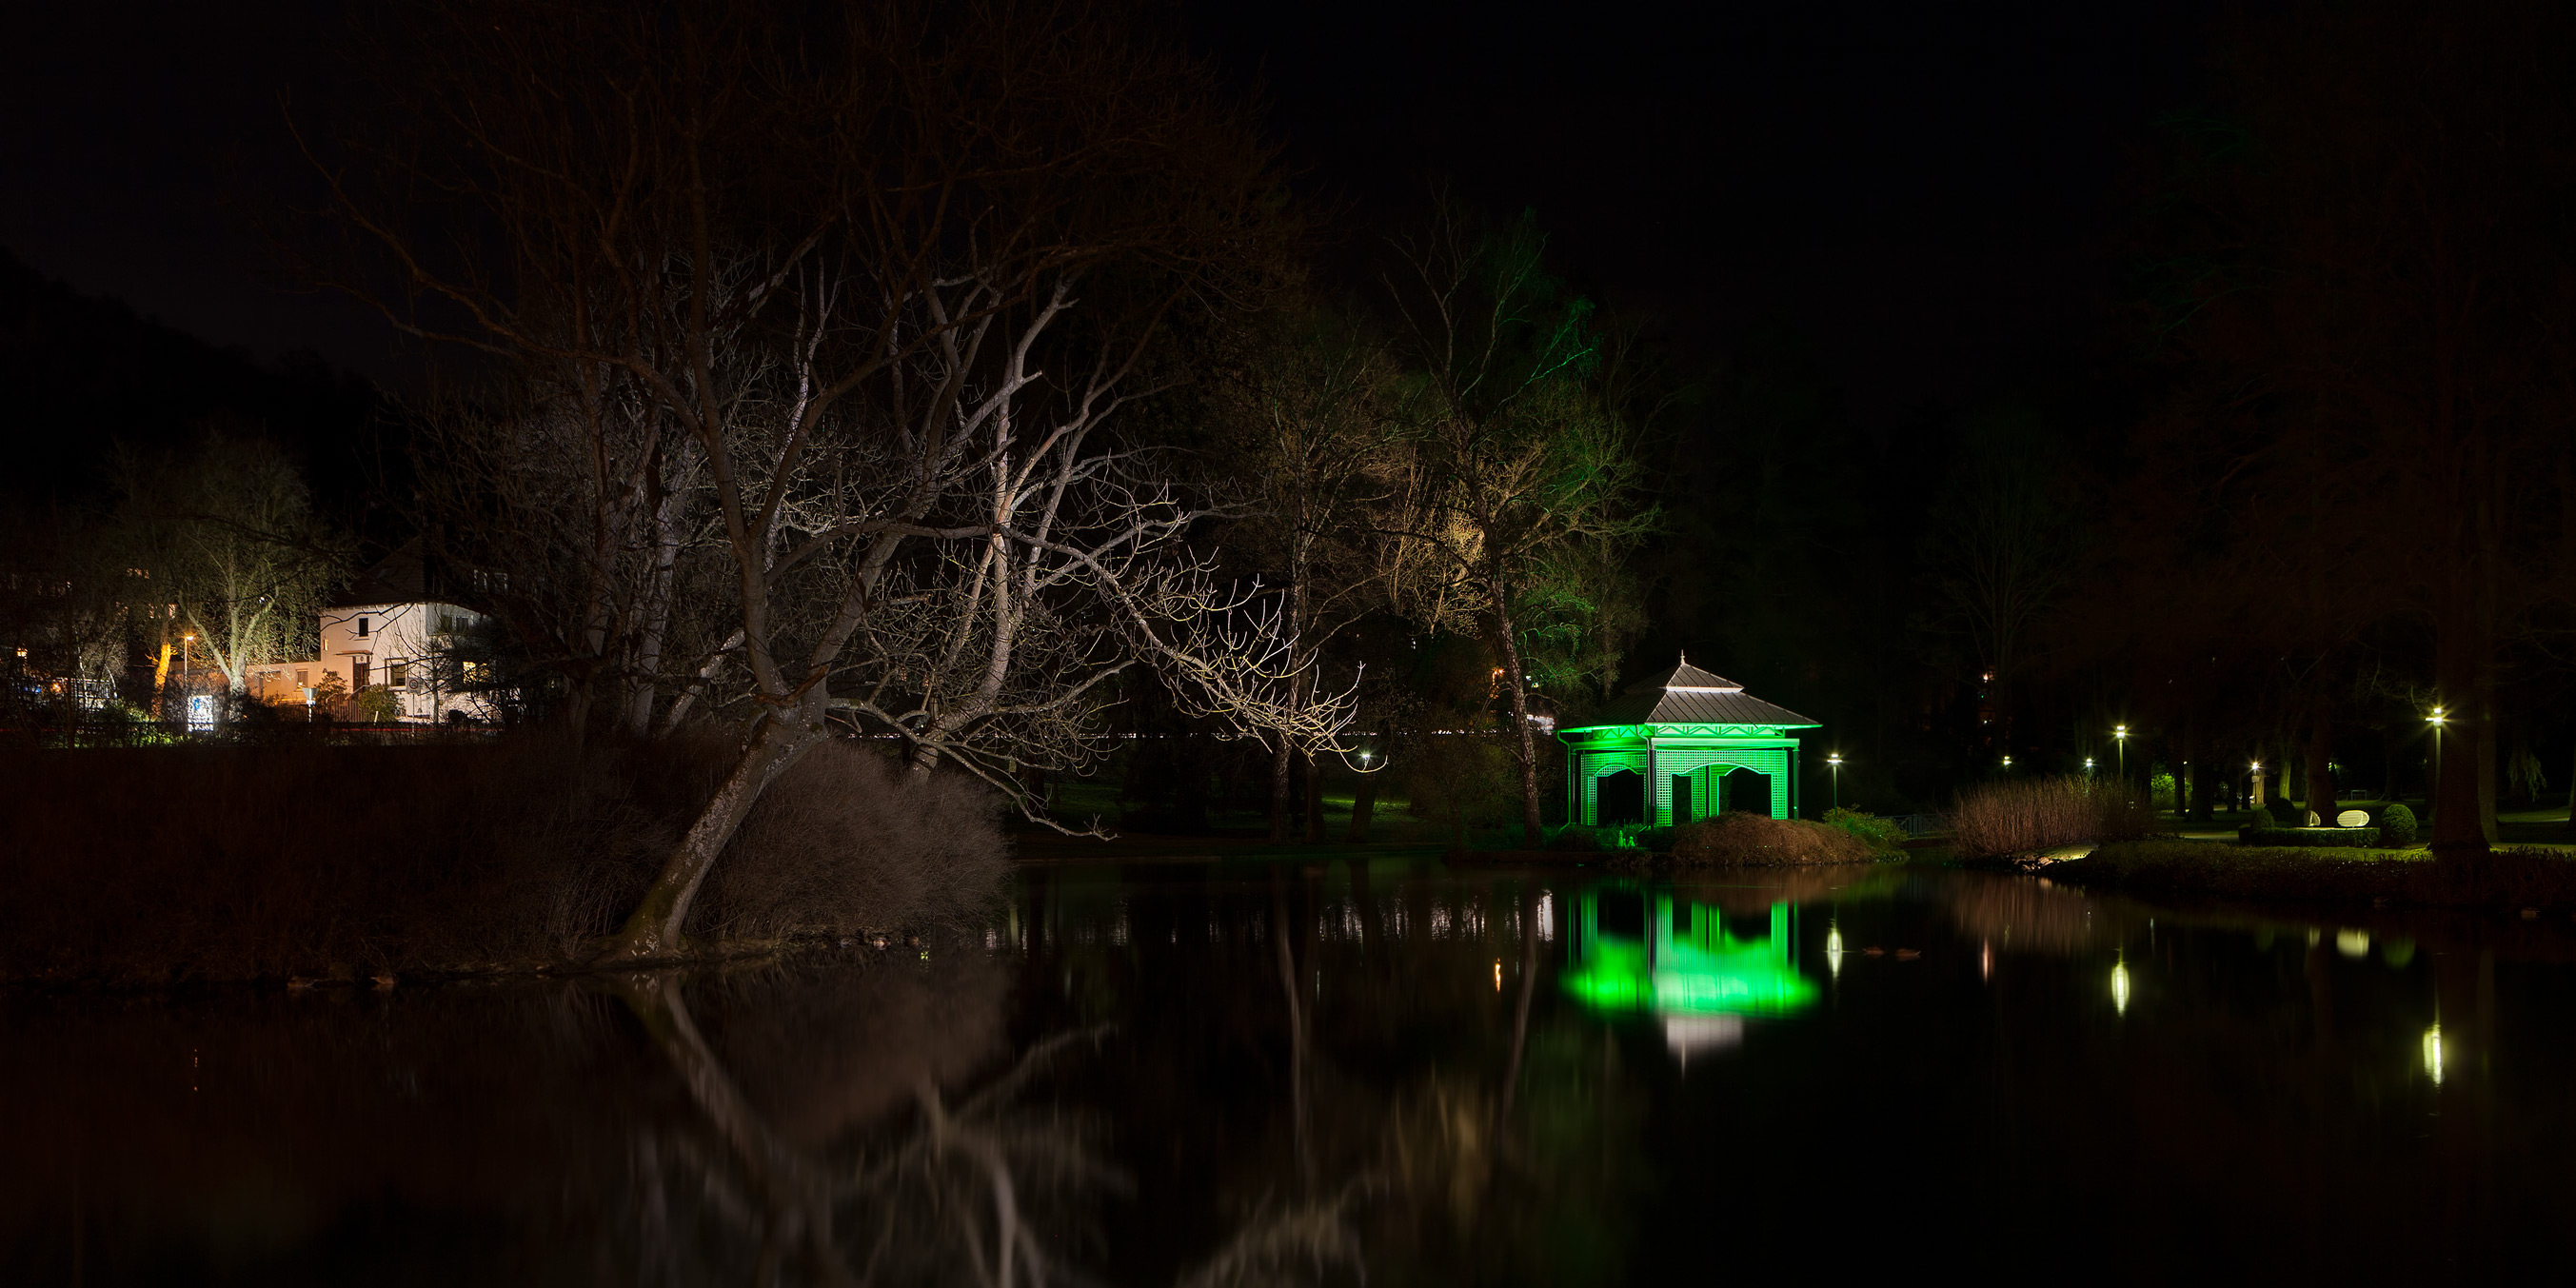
{"x":1834,"y":762}
{"x":2007,"y":764}
{"x":2120,"y":739}
{"x":2437,"y":720}
{"x":2088,"y":766}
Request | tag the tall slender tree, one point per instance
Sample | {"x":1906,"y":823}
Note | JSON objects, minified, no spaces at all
{"x":1524,"y":459}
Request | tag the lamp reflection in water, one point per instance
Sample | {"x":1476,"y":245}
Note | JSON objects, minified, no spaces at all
{"x":1638,"y":952}
{"x":2120,"y":986}
{"x":2433,"y":1053}
{"x":1834,"y":950}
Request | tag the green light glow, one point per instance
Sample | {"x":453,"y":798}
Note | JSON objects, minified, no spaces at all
{"x":1697,"y":970}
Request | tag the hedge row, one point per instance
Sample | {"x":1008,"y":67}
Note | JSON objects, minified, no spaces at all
{"x":2350,"y":837}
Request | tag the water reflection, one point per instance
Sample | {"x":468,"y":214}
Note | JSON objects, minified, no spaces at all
{"x":1640,"y":951}
{"x":1345,"y":1073}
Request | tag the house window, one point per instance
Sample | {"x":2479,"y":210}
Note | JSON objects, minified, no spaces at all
{"x":362,"y":628}
{"x":397,"y":672}
{"x":303,"y":679}
{"x":357,"y":674}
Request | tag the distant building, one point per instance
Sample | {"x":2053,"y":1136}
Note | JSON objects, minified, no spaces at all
{"x":394,"y":626}
{"x":1681,"y":745}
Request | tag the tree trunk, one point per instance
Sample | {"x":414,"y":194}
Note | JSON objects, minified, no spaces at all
{"x":2461,"y":674}
{"x":2487,"y":766}
{"x":1524,"y":746}
{"x":1363,"y":804}
{"x":652,"y":932}
{"x":1314,"y":800}
{"x":2321,"y":783}
{"x":1279,"y":754}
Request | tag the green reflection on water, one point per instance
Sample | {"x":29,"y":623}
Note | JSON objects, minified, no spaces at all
{"x":1678,"y":958}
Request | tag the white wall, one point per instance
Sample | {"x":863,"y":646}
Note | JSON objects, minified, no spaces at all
{"x":365,"y":643}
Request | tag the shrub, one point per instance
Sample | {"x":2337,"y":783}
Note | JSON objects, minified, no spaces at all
{"x":2310,"y":837}
{"x":1657,"y":839}
{"x":2396,"y":825}
{"x":1462,"y":780}
{"x":848,"y":841}
{"x":2045,"y":813}
{"x":1882,"y":836}
{"x":1575,"y":838}
{"x":1758,"y":840}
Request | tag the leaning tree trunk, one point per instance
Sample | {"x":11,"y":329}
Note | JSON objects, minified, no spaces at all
{"x":1524,"y":746}
{"x":1363,"y":804}
{"x":652,"y":932}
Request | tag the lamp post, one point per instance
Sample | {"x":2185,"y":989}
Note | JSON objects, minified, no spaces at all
{"x":2088,"y":766}
{"x":2433,"y":788}
{"x":2120,"y":739}
{"x":2007,"y":764}
{"x":1834,"y":763}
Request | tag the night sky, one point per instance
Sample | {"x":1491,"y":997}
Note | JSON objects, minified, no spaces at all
{"x":1929,"y":196}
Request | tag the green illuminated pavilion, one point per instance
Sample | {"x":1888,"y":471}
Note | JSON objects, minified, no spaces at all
{"x":1680,"y":745}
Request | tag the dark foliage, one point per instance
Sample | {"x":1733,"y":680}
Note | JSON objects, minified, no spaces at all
{"x":2505,"y":881}
{"x":176,"y":864}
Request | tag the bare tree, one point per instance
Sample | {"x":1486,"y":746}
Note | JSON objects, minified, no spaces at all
{"x":893,"y":278}
{"x":1522,"y":456}
{"x":2002,"y":541}
{"x":1317,"y":439}
{"x":224,"y":532}
{"x":569,"y":510}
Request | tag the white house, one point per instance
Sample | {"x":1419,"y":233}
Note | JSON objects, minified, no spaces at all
{"x":388,"y":628}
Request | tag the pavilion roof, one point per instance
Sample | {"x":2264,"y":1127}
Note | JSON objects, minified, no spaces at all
{"x":1686,"y":694}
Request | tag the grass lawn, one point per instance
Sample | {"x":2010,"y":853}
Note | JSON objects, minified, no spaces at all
{"x":2510,"y":880}
{"x":1391,"y":821}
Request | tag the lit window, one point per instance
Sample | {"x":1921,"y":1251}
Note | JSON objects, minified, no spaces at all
{"x":303,"y":679}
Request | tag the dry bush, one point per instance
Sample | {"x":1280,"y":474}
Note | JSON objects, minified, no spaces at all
{"x":1757,"y":840}
{"x":168,"y":864}
{"x":2043,"y":814}
{"x":848,"y":841}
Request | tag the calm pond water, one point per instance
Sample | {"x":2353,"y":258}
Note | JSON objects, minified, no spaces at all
{"x":1185,"y":1074}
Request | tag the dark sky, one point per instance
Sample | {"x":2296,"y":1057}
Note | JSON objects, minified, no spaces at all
{"x":1926,"y":191}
